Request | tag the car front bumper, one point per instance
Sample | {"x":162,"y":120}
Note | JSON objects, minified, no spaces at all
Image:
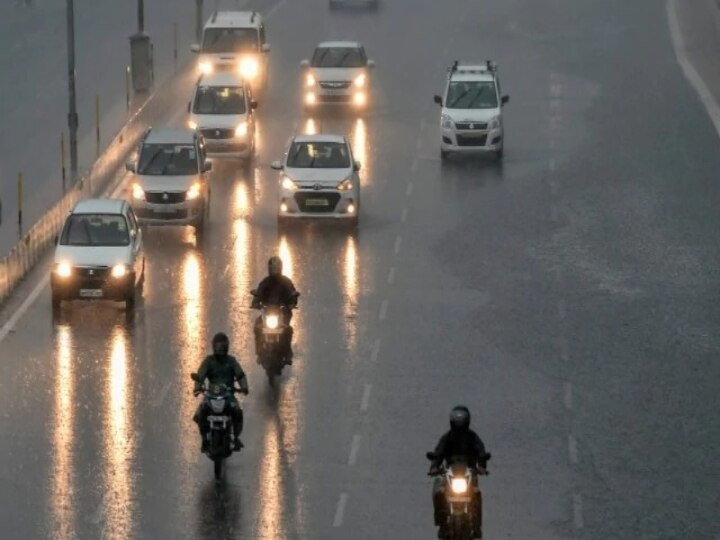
{"x":351,"y":98}
{"x":323,"y":204}
{"x":228,"y":148}
{"x":185,"y":213}
{"x":78,"y":287}
{"x":471,"y":141}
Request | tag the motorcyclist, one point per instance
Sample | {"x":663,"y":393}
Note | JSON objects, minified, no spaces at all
{"x":276,"y":290}
{"x":220,"y":368}
{"x":459,"y":445}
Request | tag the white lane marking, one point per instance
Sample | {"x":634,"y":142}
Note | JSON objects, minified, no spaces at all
{"x":383,"y":310}
{"x":340,"y":510}
{"x":391,"y":276}
{"x":563,"y":348}
{"x":561,"y":309}
{"x":414,"y":166}
{"x":554,"y":214}
{"x":552,"y":164}
{"x":365,"y":402}
{"x":354,"y":449}
{"x":568,"y":397}
{"x":572,"y":449}
{"x":553,"y":185}
{"x":9,"y":326}
{"x":691,"y":74}
{"x":271,"y":12}
{"x":375,"y":351}
{"x":577,"y":511}
{"x":409,"y":189}
{"x":398,"y":241}
{"x":404,"y":216}
{"x":558,"y":274}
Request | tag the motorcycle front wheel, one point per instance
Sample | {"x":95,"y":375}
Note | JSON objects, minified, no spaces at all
{"x":218,"y":466}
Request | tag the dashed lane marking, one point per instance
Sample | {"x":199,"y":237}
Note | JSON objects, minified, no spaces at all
{"x":383,"y":310}
{"x":354,"y":449}
{"x":563,"y":344}
{"x":409,"y":189}
{"x":403,"y":217}
{"x":572,"y":449}
{"x":391,"y":276}
{"x":340,"y":510}
{"x":365,"y":402}
{"x":414,"y":166}
{"x":375,"y":351}
{"x":577,"y":511}
{"x":398,"y":241}
{"x":568,"y":397}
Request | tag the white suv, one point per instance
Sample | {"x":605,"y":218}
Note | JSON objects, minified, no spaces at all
{"x":222,"y":110}
{"x":337,"y":74}
{"x":471,"y":118}
{"x":99,"y":254}
{"x":170,"y":186}
{"x":235,"y":41}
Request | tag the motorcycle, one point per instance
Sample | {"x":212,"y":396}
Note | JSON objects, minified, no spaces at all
{"x":220,"y":436}
{"x":270,"y":351}
{"x":460,"y":487}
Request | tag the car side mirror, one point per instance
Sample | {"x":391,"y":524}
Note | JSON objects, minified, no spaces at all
{"x":371,"y":64}
{"x":207,"y":166}
{"x":195,"y":47}
{"x":265,"y":47}
{"x":130,"y":165}
{"x":194,"y":377}
{"x":55,"y":240}
{"x":505,"y":99}
{"x":437,"y":99}
{"x":431,"y":456}
{"x":276,"y":165}
{"x":305,"y":64}
{"x":356,"y":166}
{"x":253,"y":104}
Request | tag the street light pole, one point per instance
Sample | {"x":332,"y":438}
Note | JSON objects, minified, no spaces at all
{"x":72,"y":110}
{"x":141,"y":16}
{"x":198,"y":20}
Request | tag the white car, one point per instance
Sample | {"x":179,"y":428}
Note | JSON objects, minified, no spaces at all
{"x":99,"y":254}
{"x":222,"y":110}
{"x":319,"y":179}
{"x":339,"y":74}
{"x":235,"y":41}
{"x":170,"y":185}
{"x":472,"y":118}
{"x":369,"y":4}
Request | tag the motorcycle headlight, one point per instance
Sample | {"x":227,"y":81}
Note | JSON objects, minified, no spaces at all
{"x":288,"y":184}
{"x":119,"y":271}
{"x":241,"y":130}
{"x":138,"y":192}
{"x":494,"y":123}
{"x":310,"y":80}
{"x":272,"y":321}
{"x":63,"y":270}
{"x":459,"y":485}
{"x":345,"y":185}
{"x":205,"y":67}
{"x":360,"y":80}
{"x":249,"y":68}
{"x":446,"y":122}
{"x":194,"y":191}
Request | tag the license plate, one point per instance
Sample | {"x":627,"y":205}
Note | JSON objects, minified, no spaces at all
{"x":317,"y":202}
{"x":212,"y":418}
{"x":91,"y":293}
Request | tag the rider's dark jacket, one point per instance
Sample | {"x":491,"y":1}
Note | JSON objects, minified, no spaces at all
{"x":276,"y":291}
{"x":221,"y":370}
{"x":460,"y":446}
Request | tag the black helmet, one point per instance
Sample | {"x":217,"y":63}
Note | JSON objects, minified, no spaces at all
{"x":275,"y":266}
{"x":220,"y":344}
{"x":460,"y":417}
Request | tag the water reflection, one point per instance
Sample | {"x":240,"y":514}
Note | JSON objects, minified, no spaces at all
{"x":360,"y":148}
{"x":241,"y":269}
{"x":310,"y":127}
{"x":63,"y":417}
{"x":119,"y":443}
{"x":287,"y":258}
{"x":271,"y":485}
{"x":349,"y":271}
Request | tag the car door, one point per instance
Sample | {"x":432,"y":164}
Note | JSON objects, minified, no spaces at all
{"x":138,"y":248}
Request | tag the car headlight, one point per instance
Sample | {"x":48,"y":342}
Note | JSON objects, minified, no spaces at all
{"x":446,"y":122}
{"x":249,"y":68}
{"x":119,"y":271}
{"x":241,"y":130}
{"x":310,"y":80}
{"x":63,"y":270}
{"x":288,"y":184}
{"x":205,"y":67}
{"x":494,"y":123}
{"x":360,"y":80}
{"x":192,"y":125}
{"x":272,"y":321}
{"x":138,"y":192}
{"x":459,"y":485}
{"x":194,"y":191}
{"x":345,"y":185}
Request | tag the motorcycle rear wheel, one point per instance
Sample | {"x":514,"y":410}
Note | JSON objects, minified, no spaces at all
{"x":218,"y":466}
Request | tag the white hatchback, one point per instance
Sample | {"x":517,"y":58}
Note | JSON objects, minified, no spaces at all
{"x":319,"y":179}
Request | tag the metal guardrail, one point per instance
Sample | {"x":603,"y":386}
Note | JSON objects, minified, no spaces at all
{"x":41,"y":236}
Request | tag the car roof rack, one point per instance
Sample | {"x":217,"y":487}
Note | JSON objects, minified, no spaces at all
{"x":487,"y":67}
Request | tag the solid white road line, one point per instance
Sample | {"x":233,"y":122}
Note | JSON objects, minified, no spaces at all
{"x":577,"y":511}
{"x":383,"y":310}
{"x":340,"y":510}
{"x":354,"y":449}
{"x":10,"y":324}
{"x":365,"y":402}
{"x":572,"y":449}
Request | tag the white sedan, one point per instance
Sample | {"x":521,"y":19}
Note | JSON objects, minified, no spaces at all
{"x":319,"y":179}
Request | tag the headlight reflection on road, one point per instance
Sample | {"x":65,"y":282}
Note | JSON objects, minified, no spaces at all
{"x":360,"y":148}
{"x":351,"y":286}
{"x":287,"y":258}
{"x":63,"y":418}
{"x":310,"y":127}
{"x":119,"y":443}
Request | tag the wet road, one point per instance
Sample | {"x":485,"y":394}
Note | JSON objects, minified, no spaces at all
{"x":566,"y":296}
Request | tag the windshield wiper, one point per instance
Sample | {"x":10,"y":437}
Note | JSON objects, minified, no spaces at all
{"x":144,"y":170}
{"x":457,"y":99}
{"x":322,"y":57}
{"x":342,"y":59}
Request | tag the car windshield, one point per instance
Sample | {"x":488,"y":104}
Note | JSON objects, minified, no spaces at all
{"x":220,"y":40}
{"x":318,"y":155}
{"x":95,"y":230}
{"x":168,"y":159}
{"x":219,"y":100}
{"x":337,"y":57}
{"x":471,"y":95}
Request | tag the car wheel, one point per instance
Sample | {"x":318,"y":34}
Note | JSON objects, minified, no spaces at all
{"x":444,"y":155}
{"x":56,"y":303}
{"x":499,"y":153}
{"x":130,"y":301}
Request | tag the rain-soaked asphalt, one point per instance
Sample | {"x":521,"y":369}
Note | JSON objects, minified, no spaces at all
{"x":567,"y":296}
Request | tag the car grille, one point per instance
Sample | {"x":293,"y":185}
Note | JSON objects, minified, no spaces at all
{"x":148,"y":213}
{"x":313,"y":202}
{"x":334,"y":99}
{"x":471,"y":125}
{"x":92,"y":277}
{"x":464,"y":140}
{"x":164,"y":197}
{"x":218,"y":133}
{"x":335,"y":85}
